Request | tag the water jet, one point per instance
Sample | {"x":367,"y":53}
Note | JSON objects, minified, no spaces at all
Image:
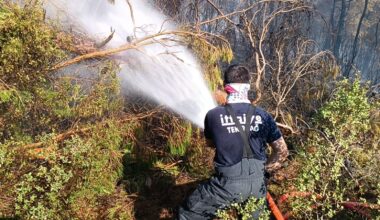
{"x":164,"y":71}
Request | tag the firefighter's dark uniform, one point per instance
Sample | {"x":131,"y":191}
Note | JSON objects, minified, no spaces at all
{"x":239,"y":164}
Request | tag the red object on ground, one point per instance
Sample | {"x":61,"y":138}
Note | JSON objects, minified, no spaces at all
{"x":273,"y":207}
{"x":360,"y":208}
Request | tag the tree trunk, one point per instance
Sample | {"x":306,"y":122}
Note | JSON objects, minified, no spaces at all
{"x":340,"y":28}
{"x":355,"y":45}
{"x":331,"y":30}
{"x":377,"y":34}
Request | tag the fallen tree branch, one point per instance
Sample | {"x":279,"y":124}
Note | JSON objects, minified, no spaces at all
{"x":57,"y":138}
{"x":151,"y":39}
{"x":354,"y":206}
{"x":65,"y":135}
{"x":359,"y":204}
{"x":287,"y":127}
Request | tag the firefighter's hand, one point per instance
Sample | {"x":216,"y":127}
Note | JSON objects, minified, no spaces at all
{"x":220,"y":97}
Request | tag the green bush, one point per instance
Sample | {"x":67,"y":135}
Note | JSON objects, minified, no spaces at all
{"x":245,"y":210}
{"x":27,"y":50}
{"x":337,"y":161}
{"x":27,"y":46}
{"x":180,"y":139}
{"x":61,"y":140}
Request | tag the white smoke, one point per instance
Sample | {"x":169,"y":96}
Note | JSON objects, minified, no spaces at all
{"x":167,"y":73}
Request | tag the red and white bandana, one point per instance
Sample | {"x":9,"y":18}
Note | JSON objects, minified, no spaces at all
{"x":237,"y":92}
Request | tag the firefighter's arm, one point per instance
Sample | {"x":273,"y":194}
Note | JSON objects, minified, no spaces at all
{"x":220,"y":97}
{"x":278,"y":156}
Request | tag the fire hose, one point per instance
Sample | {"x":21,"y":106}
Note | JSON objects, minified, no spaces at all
{"x":273,"y":207}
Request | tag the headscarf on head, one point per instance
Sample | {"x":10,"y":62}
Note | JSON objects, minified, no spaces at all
{"x":237,"y":92}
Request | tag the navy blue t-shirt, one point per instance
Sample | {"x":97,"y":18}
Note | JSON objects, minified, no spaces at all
{"x":221,"y":129}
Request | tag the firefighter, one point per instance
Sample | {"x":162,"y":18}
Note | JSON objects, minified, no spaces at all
{"x":240,"y":133}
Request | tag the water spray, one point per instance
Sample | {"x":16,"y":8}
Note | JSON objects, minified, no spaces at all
{"x":164,"y":71}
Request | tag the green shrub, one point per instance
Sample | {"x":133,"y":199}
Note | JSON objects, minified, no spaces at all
{"x":39,"y":194}
{"x":61,"y":140}
{"x":180,"y":139}
{"x":27,"y":46}
{"x":337,"y":160}
{"x":65,"y":180}
{"x":27,"y":50}
{"x":210,"y":55}
{"x":245,"y":210}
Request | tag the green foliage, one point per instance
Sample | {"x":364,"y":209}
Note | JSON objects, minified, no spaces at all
{"x":5,"y":96}
{"x":97,"y":166}
{"x":27,"y":50}
{"x":65,"y":144}
{"x":349,"y":109}
{"x":61,"y":139}
{"x":68,"y":178}
{"x":199,"y":157}
{"x":27,"y":46}
{"x":172,"y":170}
{"x":180,"y":140}
{"x":210,"y":56}
{"x":39,"y":194}
{"x":245,"y":210}
{"x":338,"y":157}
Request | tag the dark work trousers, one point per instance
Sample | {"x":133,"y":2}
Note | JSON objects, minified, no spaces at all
{"x":230,"y":184}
